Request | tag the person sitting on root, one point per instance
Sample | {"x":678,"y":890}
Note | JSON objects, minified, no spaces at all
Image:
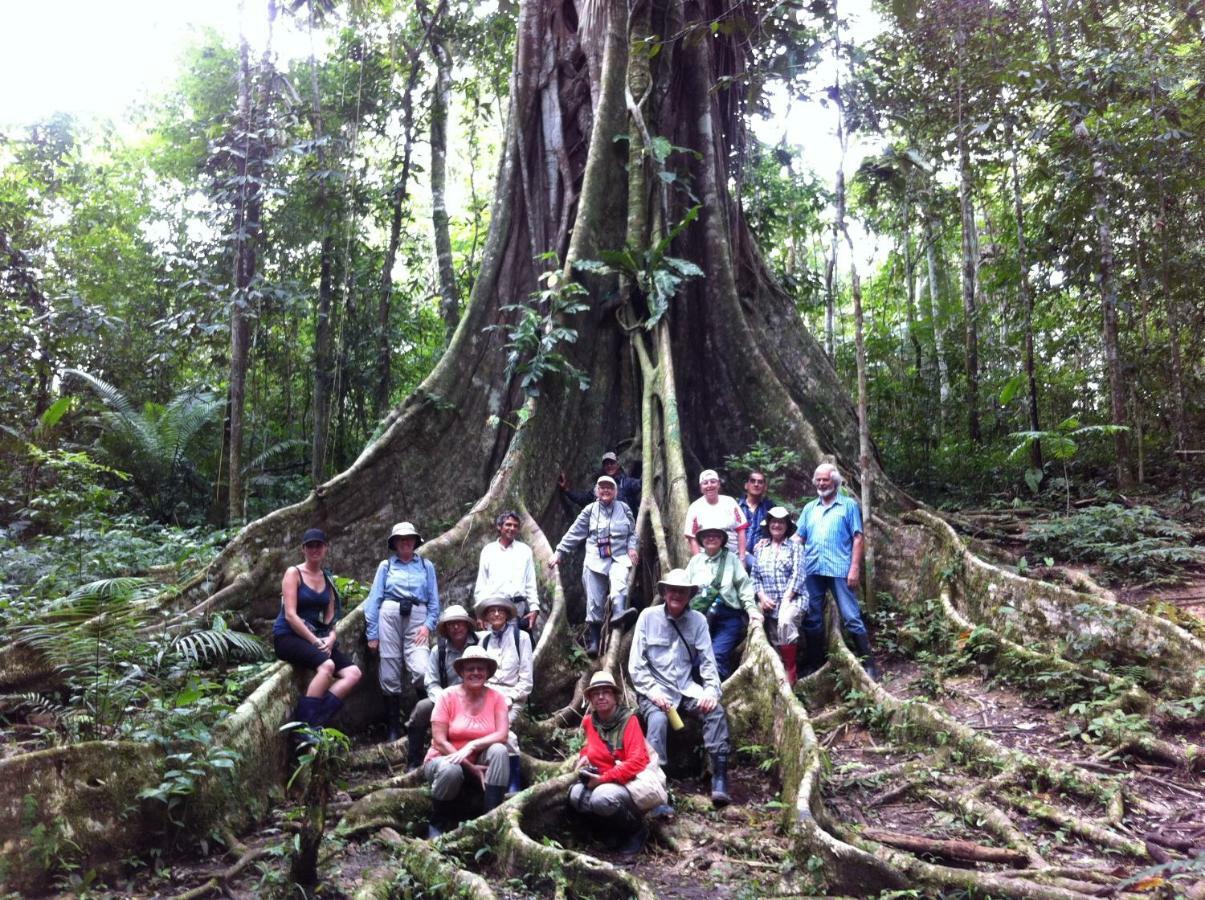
{"x":506,"y":568}
{"x":726,"y":596}
{"x":454,"y":634}
{"x":778,"y":581}
{"x":672,"y":667}
{"x":510,"y":647}
{"x":830,"y":529}
{"x":609,"y":531}
{"x":620,"y":778}
{"x":400,"y":613}
{"x":715,"y":510}
{"x":468,"y":737}
{"x":304,"y":634}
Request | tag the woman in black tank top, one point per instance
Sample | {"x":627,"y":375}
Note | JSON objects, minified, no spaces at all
{"x":304,"y":634}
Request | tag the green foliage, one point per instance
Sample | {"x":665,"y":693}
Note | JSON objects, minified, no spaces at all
{"x":1134,"y":541}
{"x":656,"y":275}
{"x":534,"y":340}
{"x":1060,"y":443}
{"x":153,"y":445}
{"x":776,"y":463}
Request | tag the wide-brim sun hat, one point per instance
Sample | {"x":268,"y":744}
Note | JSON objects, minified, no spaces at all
{"x":475,"y":654}
{"x":314,"y":534}
{"x":404,"y":529}
{"x":705,"y":531}
{"x":602,"y":680}
{"x":677,"y":578}
{"x":783,"y":514}
{"x":485,"y":605}
{"x":454,"y":613}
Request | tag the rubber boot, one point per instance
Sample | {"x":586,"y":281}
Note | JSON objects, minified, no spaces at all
{"x":814,"y":651}
{"x":441,"y":817}
{"x":516,"y":776}
{"x":622,"y":618}
{"x":495,"y":794}
{"x":393,"y":716}
{"x":307,"y":710}
{"x":416,"y":739}
{"x":788,"y":653}
{"x":593,"y":635}
{"x":862,"y":646}
{"x":719,"y":780}
{"x":330,"y":706}
{"x":635,"y":833}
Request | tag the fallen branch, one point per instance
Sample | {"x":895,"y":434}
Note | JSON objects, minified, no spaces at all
{"x":967,"y":851}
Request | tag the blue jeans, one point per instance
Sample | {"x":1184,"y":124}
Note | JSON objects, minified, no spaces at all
{"x":727,"y":630}
{"x":847,"y":604}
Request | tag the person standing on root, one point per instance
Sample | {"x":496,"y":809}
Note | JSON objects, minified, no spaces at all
{"x":627,"y":486}
{"x":400,"y":613}
{"x":304,"y":634}
{"x":672,"y":667}
{"x":830,"y":529}
{"x":715,"y":510}
{"x":609,"y":531}
{"x":468,"y":738}
{"x":454,"y":635}
{"x":726,"y":596}
{"x":754,"y":506}
{"x":509,"y":647}
{"x":778,"y":581}
{"x":506,"y":569}
{"x":620,"y":780}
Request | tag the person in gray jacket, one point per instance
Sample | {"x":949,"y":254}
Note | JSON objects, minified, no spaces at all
{"x":454,"y":634}
{"x":608,"y":529}
{"x":672,"y":667}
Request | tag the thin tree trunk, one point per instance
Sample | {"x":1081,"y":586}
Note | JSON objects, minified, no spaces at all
{"x":939,"y":341}
{"x":1035,"y":447}
{"x":449,"y":296}
{"x":910,"y":282}
{"x":969,"y":267}
{"x":323,"y":343}
{"x":830,"y":299}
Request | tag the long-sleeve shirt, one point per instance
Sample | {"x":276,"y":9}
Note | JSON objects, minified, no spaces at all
{"x":511,"y":647}
{"x":396,"y":579}
{"x":508,"y":572}
{"x":661,"y":657}
{"x":736,"y":587}
{"x":612,"y":526}
{"x":624,"y":763}
{"x":778,"y":568}
{"x":756,"y":517}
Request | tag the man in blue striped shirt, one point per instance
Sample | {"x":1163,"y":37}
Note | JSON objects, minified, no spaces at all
{"x":830,"y":529}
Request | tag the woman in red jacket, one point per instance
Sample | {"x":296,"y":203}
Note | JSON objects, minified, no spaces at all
{"x":620,"y":774}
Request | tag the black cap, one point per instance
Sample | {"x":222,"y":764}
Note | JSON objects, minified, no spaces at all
{"x":314,"y":534}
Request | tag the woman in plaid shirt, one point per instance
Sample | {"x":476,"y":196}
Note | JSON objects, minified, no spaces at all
{"x":778,"y":580}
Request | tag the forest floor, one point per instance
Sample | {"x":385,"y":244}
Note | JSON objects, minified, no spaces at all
{"x":897,"y":789}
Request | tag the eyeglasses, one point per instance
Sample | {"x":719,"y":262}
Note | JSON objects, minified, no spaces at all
{"x":757,"y":481}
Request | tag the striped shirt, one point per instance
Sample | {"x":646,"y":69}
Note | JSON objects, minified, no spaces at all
{"x":828,"y":535}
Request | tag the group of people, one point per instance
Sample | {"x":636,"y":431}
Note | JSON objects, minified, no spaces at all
{"x":749,"y":564}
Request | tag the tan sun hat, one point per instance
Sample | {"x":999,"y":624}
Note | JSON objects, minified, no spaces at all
{"x":676,"y":578}
{"x":404,"y":529}
{"x":475,"y":654}
{"x":602,"y":679}
{"x":605,"y":479}
{"x":483,"y":605}
{"x":781,"y":512}
{"x":702,"y":531}
{"x":454,"y":613}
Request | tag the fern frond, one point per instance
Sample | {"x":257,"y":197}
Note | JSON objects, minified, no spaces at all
{"x":218,"y":644}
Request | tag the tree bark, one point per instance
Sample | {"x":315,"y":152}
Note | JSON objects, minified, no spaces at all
{"x":969,"y":261}
{"x":1026,"y":291}
{"x":939,"y":345}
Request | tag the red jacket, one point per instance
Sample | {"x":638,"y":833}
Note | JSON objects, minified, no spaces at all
{"x":622,"y":766}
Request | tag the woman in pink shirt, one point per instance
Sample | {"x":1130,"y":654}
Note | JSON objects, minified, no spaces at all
{"x":468,"y":735}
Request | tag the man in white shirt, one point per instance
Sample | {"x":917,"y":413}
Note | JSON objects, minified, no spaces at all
{"x":506,"y":571}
